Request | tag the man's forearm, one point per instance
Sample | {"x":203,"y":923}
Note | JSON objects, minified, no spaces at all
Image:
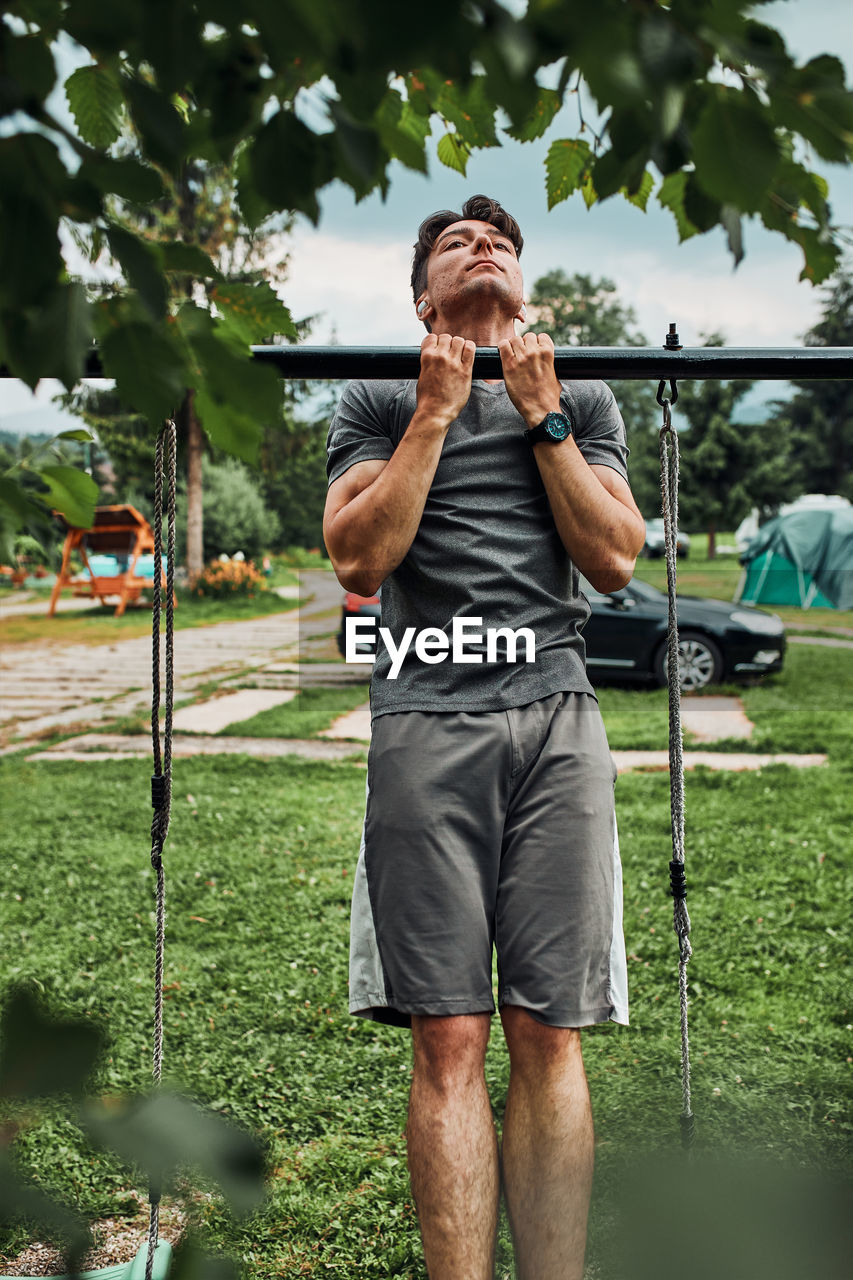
{"x":602,"y":535}
{"x":370,"y":536}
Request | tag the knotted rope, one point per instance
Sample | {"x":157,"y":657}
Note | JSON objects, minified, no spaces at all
{"x":161,"y":781}
{"x":680,"y":918}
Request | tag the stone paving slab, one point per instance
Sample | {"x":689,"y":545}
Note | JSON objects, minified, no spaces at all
{"x":113,"y":746}
{"x":74,"y":675}
{"x":710,"y":719}
{"x":218,"y":713}
{"x":103,"y":746}
{"x":822,"y":640}
{"x":354,"y":724}
{"x":735,"y":761}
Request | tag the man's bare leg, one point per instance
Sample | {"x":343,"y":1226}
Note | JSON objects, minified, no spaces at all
{"x":452,"y":1147}
{"x":547,"y":1149}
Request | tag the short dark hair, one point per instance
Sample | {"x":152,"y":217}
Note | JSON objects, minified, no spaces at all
{"x":479,"y":209}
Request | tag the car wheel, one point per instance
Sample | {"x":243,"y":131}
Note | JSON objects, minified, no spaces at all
{"x":700,"y":662}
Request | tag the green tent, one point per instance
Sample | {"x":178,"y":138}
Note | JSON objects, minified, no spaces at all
{"x":803,"y":558}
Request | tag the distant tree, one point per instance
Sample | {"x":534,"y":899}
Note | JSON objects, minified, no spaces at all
{"x":580,"y":311}
{"x":818,"y":419}
{"x":195,"y":222}
{"x":727,"y":466}
{"x":236,"y":517}
{"x":293,"y":467}
{"x":698,"y":106}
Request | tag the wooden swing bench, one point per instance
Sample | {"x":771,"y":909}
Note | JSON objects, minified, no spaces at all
{"x":120,"y":531}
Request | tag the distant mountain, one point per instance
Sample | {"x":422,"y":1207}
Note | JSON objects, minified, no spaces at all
{"x":754,"y":407}
{"x":45,"y":420}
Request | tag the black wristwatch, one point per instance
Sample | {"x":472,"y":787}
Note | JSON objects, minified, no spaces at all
{"x":554,"y":427}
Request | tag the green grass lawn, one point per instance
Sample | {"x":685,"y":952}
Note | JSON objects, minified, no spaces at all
{"x":259,"y":866}
{"x":806,"y":708}
{"x":259,"y":873}
{"x":312,"y":710}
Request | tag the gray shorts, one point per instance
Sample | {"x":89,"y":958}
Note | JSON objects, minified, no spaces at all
{"x":482,"y":829}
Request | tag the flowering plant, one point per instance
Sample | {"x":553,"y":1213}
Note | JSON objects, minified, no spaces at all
{"x":229,"y":578}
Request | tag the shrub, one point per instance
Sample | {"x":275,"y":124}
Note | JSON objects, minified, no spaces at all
{"x":228,"y":578}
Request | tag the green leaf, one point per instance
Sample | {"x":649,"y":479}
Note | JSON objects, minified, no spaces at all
{"x":163,"y":1132}
{"x":235,"y":399}
{"x":822,"y":256}
{"x":403,"y":131}
{"x":289,"y":163}
{"x":814,"y":101}
{"x":142,"y":264}
{"x":640,"y":197}
{"x":612,"y":171}
{"x":588,"y":191}
{"x":735,"y":150}
{"x":565,"y":165}
{"x":96,"y":103}
{"x":125,"y":178}
{"x":547,"y":105}
{"x":190,"y":1263}
{"x":671,"y":196}
{"x":151,"y":374}
{"x":358,"y":152}
{"x":79,"y":433}
{"x":18,"y":1199}
{"x":253,"y":311}
{"x":254,"y":208}
{"x":32,"y":178}
{"x":178,"y":256}
{"x":454,"y":152}
{"x":51,"y":340}
{"x":41,"y":1054}
{"x":29,"y":71}
{"x":469,"y":109}
{"x":16,"y":499}
{"x":701,"y":210}
{"x":72,"y":492}
{"x":730,"y":218}
{"x":164,"y":134}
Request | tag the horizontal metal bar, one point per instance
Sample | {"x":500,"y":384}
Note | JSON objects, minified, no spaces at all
{"x":575,"y":362}
{"x":654,"y":363}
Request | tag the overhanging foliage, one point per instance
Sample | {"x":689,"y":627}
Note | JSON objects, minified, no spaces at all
{"x":703,"y":109}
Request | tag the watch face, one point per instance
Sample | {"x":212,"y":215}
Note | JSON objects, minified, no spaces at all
{"x":557,"y":426}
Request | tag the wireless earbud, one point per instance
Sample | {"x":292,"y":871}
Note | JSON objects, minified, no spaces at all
{"x":422,"y":306}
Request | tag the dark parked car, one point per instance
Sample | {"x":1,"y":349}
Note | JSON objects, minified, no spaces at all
{"x":626,"y":636}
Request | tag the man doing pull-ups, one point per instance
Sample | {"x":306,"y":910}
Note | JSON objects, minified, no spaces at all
{"x":489,"y":819}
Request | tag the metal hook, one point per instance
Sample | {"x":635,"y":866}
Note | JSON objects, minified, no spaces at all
{"x":673,"y":391}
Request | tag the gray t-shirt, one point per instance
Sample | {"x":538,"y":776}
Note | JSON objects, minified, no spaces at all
{"x":486,"y":548}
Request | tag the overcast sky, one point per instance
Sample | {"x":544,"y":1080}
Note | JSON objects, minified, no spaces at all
{"x":353,"y":269}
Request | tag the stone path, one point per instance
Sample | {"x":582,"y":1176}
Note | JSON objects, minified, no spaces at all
{"x":102,"y":746}
{"x":51,"y":688}
{"x":709,"y":719}
{"x":218,"y":713}
{"x":258,"y":662}
{"x":826,"y":641}
{"x":114,"y":746}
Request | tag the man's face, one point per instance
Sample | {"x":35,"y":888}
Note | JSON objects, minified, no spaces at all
{"x":473,"y":259}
